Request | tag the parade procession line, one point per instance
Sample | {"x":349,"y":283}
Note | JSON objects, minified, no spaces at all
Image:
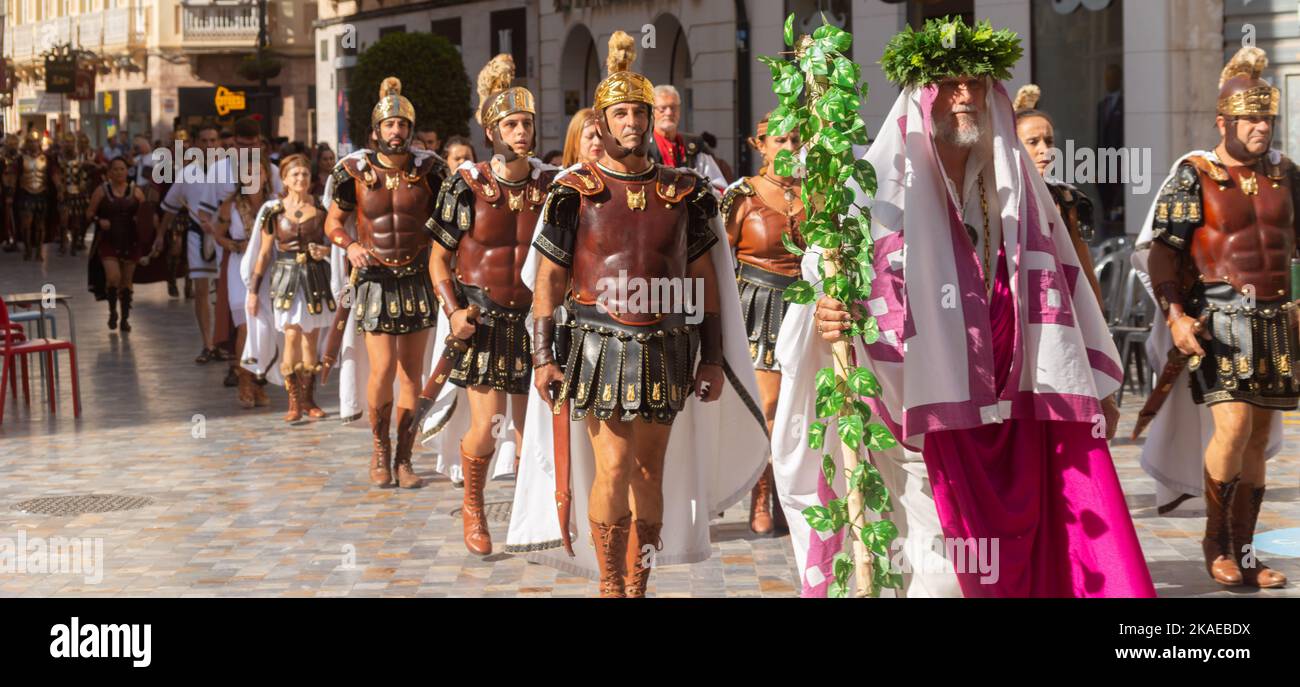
{"x":243,"y":505}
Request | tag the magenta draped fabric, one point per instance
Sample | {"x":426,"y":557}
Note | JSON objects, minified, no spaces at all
{"x":1037,"y":502}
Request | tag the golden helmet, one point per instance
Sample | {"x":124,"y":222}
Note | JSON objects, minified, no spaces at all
{"x":623,"y":85}
{"x":392,"y":103}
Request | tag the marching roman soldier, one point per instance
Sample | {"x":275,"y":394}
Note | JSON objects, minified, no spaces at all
{"x":10,"y":164}
{"x":485,"y":220}
{"x":1224,"y":234}
{"x":761,"y":213}
{"x":80,"y":177}
{"x":37,"y":181}
{"x":629,"y":365}
{"x":390,"y":192}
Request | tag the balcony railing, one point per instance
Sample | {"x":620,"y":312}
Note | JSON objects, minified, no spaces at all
{"x":219,"y":23}
{"x":105,"y":30}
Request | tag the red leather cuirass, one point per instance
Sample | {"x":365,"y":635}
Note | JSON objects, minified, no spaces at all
{"x":1247,"y":239}
{"x":392,"y":208}
{"x":628,"y":230}
{"x":491,"y":254}
{"x":757,"y":230}
{"x":292,"y":236}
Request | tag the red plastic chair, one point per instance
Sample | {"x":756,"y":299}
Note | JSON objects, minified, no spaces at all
{"x":16,"y":346}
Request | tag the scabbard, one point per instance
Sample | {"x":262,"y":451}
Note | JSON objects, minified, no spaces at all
{"x":334,"y":339}
{"x":433,"y":386}
{"x":1174,"y":366}
{"x":563,"y":485}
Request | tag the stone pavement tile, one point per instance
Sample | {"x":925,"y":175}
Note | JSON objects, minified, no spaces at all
{"x":245,"y":505}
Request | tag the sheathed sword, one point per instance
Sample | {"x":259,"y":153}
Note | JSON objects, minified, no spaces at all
{"x":560,"y":434}
{"x":1174,"y":366}
{"x":438,"y":378}
{"x":563,"y":487}
{"x":1175,"y":363}
{"x":334,"y":341}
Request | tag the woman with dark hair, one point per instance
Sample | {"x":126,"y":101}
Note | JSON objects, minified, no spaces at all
{"x":761,"y":213}
{"x":321,"y":168}
{"x":1038,"y":134}
{"x":119,"y":245}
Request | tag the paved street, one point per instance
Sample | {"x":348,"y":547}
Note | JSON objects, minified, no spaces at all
{"x":244,"y":505}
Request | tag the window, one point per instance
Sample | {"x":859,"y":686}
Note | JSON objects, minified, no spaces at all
{"x":510,"y":34}
{"x":447,"y":28}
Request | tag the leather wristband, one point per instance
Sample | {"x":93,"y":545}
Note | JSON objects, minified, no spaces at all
{"x":257,"y":285}
{"x":1167,"y":294}
{"x":711,"y":339}
{"x":542,"y":339}
{"x":341,"y":239}
{"x":446,"y":292}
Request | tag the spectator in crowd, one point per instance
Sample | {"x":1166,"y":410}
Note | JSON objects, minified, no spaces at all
{"x":676,"y":148}
{"x":426,"y":136}
{"x":117,"y":146}
{"x":553,"y":157}
{"x":459,"y":150}
{"x":322,"y":165}
{"x":582,"y":143}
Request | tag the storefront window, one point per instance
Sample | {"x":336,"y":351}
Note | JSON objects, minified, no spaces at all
{"x":1078,"y":53}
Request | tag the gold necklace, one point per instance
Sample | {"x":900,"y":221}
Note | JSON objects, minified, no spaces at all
{"x":789,"y":196}
{"x":988,"y":260}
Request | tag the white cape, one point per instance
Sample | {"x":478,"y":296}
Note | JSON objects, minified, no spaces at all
{"x":716,"y":453}
{"x":261,"y":354}
{"x":1174,"y":452}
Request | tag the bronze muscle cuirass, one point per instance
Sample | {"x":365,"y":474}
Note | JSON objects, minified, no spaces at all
{"x":759,"y":240}
{"x":392,"y":208}
{"x":629,"y":230}
{"x":491,"y":254}
{"x":76,"y":176}
{"x":291,"y":237}
{"x":34,"y":173}
{"x":1248,"y":239}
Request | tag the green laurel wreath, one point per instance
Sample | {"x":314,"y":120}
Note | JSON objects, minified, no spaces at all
{"x":947,"y":47}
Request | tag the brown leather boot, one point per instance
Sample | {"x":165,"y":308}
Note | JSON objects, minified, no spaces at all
{"x":1216,"y":545}
{"x":1246,"y":502}
{"x":247,"y":383}
{"x":760,"y":500}
{"x":639,"y":560}
{"x":477,"y":538}
{"x":381,"y":465}
{"x":307,"y":381}
{"x":611,"y":555}
{"x":292,"y":386}
{"x":405,"y":474}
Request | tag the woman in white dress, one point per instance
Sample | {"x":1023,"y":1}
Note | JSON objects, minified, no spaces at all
{"x":238,"y":214}
{"x":293,"y":229}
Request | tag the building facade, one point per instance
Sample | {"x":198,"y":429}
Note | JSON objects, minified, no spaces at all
{"x":161,"y":64}
{"x":478,"y":29}
{"x":1134,"y":75}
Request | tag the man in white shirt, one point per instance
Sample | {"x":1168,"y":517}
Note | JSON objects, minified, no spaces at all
{"x":199,"y":189}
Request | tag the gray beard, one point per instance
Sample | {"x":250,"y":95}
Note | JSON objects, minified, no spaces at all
{"x":962,"y":137}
